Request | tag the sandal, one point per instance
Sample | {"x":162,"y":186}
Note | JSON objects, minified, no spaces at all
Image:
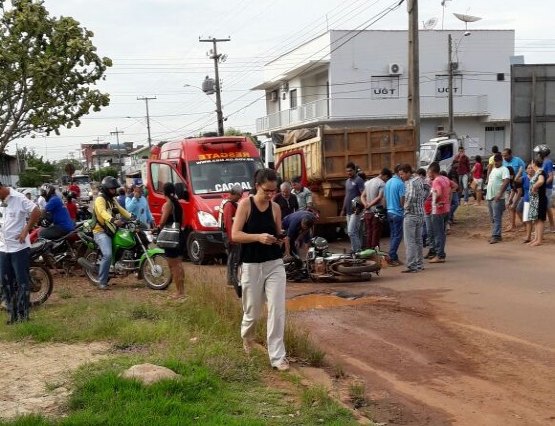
{"x":526,"y":241}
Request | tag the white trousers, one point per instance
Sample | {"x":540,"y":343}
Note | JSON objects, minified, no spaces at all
{"x":265,"y":282}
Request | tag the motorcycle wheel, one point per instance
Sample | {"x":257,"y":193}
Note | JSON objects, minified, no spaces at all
{"x":40,"y":284}
{"x":348,"y":269}
{"x":94,"y":257}
{"x":159,"y":277}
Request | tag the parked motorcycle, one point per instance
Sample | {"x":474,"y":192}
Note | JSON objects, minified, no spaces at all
{"x":130,"y":254}
{"x":41,"y":283}
{"x":322,"y":265}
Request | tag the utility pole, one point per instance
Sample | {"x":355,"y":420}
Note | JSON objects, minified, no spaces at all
{"x":117,"y":133}
{"x":97,"y":140}
{"x":413,"y":116}
{"x":450,"y":84}
{"x":214,"y":55}
{"x":146,"y":99}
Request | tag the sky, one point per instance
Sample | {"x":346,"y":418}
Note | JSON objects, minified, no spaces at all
{"x":155,"y":48}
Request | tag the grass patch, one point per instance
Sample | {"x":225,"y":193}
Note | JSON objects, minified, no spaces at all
{"x":357,"y":394}
{"x":198,"y":338}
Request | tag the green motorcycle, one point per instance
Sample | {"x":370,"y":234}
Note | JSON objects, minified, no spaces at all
{"x":130,"y":254}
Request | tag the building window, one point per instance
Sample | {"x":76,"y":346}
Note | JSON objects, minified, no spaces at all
{"x":385,"y":87}
{"x":293,"y":99}
{"x":495,"y":135}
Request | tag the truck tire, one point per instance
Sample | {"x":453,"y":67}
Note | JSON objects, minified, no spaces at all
{"x":196,"y":250}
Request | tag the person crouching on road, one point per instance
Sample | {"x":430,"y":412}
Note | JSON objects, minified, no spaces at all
{"x":106,"y":225}
{"x":298,"y":226}
{"x":14,"y":251}
{"x":257,"y":225}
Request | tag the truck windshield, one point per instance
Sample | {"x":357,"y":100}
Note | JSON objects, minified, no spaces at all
{"x":219,"y":176}
{"x":426,"y":155}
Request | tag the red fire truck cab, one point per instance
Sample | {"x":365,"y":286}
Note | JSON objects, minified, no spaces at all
{"x":203,"y":171}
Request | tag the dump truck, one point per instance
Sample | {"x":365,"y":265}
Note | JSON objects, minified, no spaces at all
{"x":320,"y":162}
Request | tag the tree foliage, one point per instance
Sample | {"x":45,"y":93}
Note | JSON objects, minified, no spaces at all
{"x":102,"y":173}
{"x":37,"y":171}
{"x":47,"y":68}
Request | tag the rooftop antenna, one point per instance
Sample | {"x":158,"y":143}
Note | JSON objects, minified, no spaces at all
{"x":466,"y":19}
{"x":430,"y":24}
{"x":443,"y":13}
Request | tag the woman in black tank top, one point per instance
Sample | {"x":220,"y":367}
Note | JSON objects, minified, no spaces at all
{"x":172,"y":212}
{"x":256,"y":227}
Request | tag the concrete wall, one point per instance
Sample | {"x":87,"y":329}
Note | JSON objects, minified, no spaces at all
{"x":532,"y":102}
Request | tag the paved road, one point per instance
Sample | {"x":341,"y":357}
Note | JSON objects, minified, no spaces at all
{"x":471,"y":341}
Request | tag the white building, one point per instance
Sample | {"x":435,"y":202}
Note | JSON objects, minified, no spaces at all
{"x":360,"y":79}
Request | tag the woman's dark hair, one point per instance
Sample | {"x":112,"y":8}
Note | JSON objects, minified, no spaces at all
{"x":169,"y":189}
{"x":121,"y":191}
{"x":264,"y":175}
{"x":511,"y":172}
{"x":478,"y":159}
{"x":538,"y":162}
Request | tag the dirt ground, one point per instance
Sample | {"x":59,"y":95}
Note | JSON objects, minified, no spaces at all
{"x":468,"y":342}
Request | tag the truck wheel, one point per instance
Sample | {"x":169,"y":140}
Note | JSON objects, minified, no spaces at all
{"x":196,"y":250}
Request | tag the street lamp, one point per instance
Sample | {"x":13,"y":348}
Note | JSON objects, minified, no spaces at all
{"x":451,"y":72}
{"x":210,"y":87}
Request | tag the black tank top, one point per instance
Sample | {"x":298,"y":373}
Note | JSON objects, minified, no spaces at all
{"x":177,"y":213}
{"x":259,"y":223}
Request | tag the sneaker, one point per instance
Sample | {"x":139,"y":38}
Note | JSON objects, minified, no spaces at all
{"x":408,"y":271}
{"x":393,"y":263}
{"x":437,"y":260}
{"x":495,"y":240}
{"x":103,"y":287}
{"x":283,"y":365}
{"x":248,"y":344}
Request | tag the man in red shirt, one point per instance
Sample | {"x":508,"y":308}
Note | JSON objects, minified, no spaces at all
{"x":73,"y":187}
{"x":463,"y":170}
{"x":233,"y":249}
{"x":441,"y":205}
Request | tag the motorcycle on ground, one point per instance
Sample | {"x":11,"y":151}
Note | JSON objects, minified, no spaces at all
{"x":322,"y":265}
{"x":130,"y":254}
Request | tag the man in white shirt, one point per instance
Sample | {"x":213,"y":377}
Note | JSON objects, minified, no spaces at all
{"x":14,"y":250}
{"x":371,"y":198}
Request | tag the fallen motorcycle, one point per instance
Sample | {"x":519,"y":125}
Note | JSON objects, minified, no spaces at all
{"x":130,"y":254}
{"x":322,"y":265}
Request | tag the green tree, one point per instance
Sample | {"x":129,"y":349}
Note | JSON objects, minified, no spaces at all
{"x":48,"y":66}
{"x":36,"y":170}
{"x":102,"y":173}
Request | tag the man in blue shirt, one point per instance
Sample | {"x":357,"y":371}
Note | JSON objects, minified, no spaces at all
{"x":137,"y":205}
{"x":298,"y":225}
{"x":394,"y":194}
{"x":58,"y":214}
{"x":354,"y":187}
{"x":509,"y":160}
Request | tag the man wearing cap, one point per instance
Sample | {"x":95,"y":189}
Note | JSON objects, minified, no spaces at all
{"x":227,"y":214}
{"x":137,"y":205}
{"x":14,"y":251}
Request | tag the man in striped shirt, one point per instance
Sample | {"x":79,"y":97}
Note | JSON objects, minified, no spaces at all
{"x":415,"y":194}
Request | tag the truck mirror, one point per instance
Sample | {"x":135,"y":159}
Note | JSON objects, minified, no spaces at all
{"x":181,"y":191}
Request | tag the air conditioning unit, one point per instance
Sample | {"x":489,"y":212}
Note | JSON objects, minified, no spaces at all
{"x":274,"y":96}
{"x":395,"y":69}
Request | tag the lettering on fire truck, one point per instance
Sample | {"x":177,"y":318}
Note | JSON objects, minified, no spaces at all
{"x":221,"y":155}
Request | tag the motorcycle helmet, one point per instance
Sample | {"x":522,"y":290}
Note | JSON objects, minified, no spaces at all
{"x":320,"y":243}
{"x":542,"y":150}
{"x":49,"y":191}
{"x":108,"y":183}
{"x":356,"y":205}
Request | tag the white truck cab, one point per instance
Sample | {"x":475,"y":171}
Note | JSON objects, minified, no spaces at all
{"x":443,"y":149}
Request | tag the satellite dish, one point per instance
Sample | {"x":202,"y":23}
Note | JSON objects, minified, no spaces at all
{"x":466,"y":18}
{"x":430,"y":23}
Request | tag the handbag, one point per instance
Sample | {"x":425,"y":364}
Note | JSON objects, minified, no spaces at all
{"x":170,"y":236}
